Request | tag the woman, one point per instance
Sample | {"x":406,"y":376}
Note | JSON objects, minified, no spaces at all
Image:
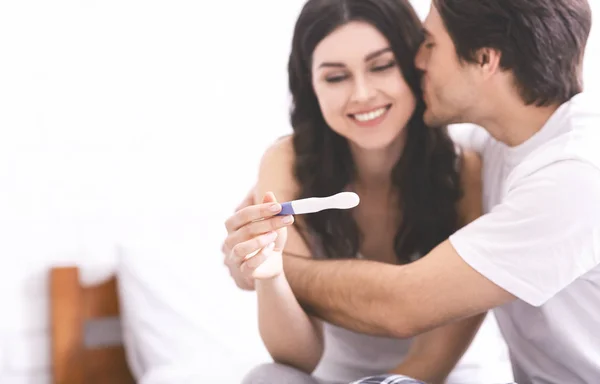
{"x":357,"y":122}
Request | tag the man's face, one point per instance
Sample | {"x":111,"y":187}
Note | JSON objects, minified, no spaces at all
{"x":449,"y":85}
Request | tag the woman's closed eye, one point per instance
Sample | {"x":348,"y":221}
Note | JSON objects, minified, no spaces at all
{"x":378,"y":68}
{"x":336,"y":78}
{"x":381,"y":68}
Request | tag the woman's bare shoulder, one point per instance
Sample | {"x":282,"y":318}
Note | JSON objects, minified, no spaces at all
{"x":276,"y":171}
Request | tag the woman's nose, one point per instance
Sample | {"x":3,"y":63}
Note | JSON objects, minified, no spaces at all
{"x":363,"y":91}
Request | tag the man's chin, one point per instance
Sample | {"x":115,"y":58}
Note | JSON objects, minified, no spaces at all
{"x":430,"y":119}
{"x":433,"y":120}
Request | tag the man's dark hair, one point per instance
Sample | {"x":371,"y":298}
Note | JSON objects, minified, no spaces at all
{"x":541,"y":41}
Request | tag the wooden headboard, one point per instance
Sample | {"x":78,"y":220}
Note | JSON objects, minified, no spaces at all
{"x":71,"y":306}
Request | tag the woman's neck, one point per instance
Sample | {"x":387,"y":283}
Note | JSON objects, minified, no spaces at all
{"x":374,"y":166}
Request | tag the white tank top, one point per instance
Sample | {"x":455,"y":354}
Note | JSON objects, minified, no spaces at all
{"x":349,"y":356}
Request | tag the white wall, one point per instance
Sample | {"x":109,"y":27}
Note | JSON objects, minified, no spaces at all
{"x":106,"y":108}
{"x":118,"y":115}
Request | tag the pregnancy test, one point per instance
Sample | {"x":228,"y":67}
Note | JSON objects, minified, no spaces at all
{"x":342,"y":200}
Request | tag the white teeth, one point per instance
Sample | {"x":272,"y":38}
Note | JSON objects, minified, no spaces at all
{"x":362,"y":117}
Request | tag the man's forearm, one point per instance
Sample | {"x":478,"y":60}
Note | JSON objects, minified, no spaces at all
{"x":359,"y":295}
{"x":392,"y":300}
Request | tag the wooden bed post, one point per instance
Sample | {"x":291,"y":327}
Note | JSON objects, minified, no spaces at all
{"x":71,"y":307}
{"x":66,"y":322}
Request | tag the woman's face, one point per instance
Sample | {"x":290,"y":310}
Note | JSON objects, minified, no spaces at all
{"x":360,"y":88}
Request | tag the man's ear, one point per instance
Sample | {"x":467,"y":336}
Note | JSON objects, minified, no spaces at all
{"x":488,"y":60}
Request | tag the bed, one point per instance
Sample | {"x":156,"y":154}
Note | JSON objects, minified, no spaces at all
{"x":180,"y":318}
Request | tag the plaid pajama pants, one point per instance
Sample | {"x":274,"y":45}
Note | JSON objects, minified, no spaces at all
{"x":387,"y":379}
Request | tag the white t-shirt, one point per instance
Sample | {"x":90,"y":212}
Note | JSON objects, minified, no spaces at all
{"x":540,"y":241}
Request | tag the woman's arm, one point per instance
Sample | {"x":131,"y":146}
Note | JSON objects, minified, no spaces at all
{"x":289,"y":334}
{"x":434,"y":354}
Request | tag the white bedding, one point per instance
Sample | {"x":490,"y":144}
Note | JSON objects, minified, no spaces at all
{"x":183,"y":318}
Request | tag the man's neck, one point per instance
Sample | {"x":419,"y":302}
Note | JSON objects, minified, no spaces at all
{"x":513,"y":123}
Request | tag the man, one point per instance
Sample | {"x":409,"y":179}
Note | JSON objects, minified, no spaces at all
{"x":513,"y":67}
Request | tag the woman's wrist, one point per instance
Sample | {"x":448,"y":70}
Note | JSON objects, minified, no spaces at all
{"x":275,"y":282}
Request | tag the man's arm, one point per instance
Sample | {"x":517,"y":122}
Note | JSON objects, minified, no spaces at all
{"x":540,"y":239}
{"x":391,"y":300}
{"x":398,"y":300}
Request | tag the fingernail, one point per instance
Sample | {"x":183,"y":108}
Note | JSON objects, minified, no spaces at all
{"x":288,"y":220}
{"x":272,"y":236}
{"x":270,"y":246}
{"x":274,"y":208}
